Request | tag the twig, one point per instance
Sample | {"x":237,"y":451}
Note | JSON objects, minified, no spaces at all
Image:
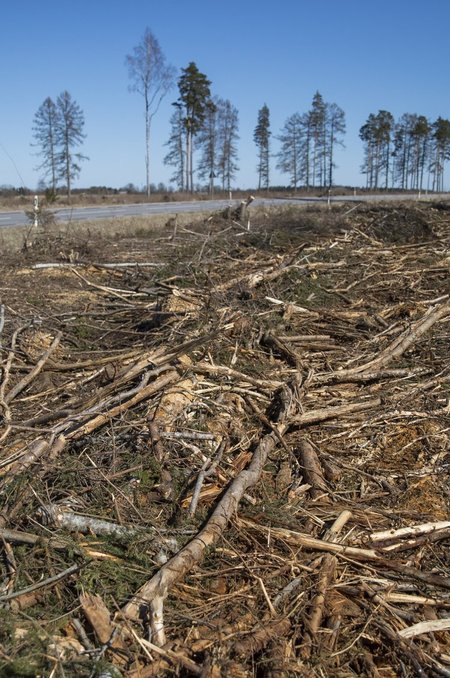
{"x":2,"y":321}
{"x":208,"y":468}
{"x":173,"y":657}
{"x":45,"y":582}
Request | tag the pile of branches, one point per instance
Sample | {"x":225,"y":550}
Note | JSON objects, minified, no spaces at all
{"x":224,"y":452}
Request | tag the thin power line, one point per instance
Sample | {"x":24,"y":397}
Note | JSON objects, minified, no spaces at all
{"x":14,"y":164}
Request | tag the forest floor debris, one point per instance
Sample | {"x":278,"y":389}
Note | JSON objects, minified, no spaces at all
{"x":225,"y":452}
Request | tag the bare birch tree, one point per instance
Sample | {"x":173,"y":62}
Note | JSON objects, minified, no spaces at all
{"x":151,"y":77}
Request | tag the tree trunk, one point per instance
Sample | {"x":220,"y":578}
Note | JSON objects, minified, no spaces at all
{"x":147,"y":150}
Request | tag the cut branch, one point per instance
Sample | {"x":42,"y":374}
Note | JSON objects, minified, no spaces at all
{"x":158,"y":587}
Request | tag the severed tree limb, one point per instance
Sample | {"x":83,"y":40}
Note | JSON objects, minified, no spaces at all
{"x":263,"y":384}
{"x":352,"y":552}
{"x":425,"y":627}
{"x":6,"y":373}
{"x":305,"y":540}
{"x":407,"y":532}
{"x":322,"y":414}
{"x":28,"y":378}
{"x":63,"y":518}
{"x":406,"y":538}
{"x":19,"y":537}
{"x":7,"y":368}
{"x":10,"y":566}
{"x":174,"y":657}
{"x":159,"y":360}
{"x":408,"y":544}
{"x":35,"y":451}
{"x":124,"y":357}
{"x":2,"y":321}
{"x":267,"y":274}
{"x":149,"y":596}
{"x":52,"y":447}
{"x":343,"y":376}
{"x":282,"y":348}
{"x":80,"y":264}
{"x":326,"y":577}
{"x":402,"y":343}
{"x":101,"y":419}
{"x":256,"y":641}
{"x":120,"y":294}
{"x":266,"y":421}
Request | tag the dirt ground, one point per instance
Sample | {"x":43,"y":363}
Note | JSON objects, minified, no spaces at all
{"x":225,"y":447}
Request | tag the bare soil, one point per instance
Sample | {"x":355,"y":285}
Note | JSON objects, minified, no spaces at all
{"x":212,"y":439}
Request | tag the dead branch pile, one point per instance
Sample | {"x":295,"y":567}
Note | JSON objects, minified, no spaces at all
{"x":225,"y":453}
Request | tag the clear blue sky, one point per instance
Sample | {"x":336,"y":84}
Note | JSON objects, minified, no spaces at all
{"x":362,"y":55}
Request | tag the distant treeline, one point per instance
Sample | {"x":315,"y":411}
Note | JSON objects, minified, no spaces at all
{"x":202,"y":148}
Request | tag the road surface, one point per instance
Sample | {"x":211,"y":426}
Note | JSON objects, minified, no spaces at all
{"x":8,"y":219}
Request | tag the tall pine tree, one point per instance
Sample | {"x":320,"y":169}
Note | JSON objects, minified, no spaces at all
{"x":69,"y":135}
{"x":227,"y":136}
{"x":176,"y":155}
{"x":194,"y":101}
{"x":290,"y":153}
{"x":261,"y":137}
{"x":44,"y":132}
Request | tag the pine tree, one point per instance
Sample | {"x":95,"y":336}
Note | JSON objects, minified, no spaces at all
{"x":207,"y":142}
{"x":421,"y":134}
{"x":194,"y":101}
{"x":44,"y":132}
{"x":227,"y":136}
{"x":291,"y":152}
{"x":402,"y":150}
{"x":376,"y":134}
{"x":440,"y":152}
{"x":335,"y":129}
{"x":261,"y":138}
{"x":367,"y":136}
{"x":176,"y":143}
{"x":317,"y":121}
{"x":69,"y":134}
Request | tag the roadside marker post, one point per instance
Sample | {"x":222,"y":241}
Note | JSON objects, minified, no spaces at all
{"x":36,"y":211}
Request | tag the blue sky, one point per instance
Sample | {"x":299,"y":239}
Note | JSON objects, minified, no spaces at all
{"x":364,"y":56}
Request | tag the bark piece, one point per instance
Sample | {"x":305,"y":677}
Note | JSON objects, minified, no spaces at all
{"x":312,"y":470}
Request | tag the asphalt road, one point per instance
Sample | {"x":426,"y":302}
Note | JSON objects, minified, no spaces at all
{"x":8,"y":219}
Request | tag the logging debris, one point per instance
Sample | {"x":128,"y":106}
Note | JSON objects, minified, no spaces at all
{"x":225,"y":452}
